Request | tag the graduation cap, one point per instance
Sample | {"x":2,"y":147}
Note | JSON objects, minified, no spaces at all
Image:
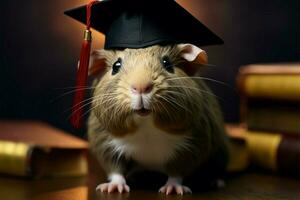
{"x":135,"y":24}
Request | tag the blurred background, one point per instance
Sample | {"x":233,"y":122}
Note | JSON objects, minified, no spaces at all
{"x":39,"y":49}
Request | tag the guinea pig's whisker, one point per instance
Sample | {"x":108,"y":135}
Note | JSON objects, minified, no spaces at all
{"x":193,"y":89}
{"x":186,"y":145}
{"x":104,"y":100}
{"x":92,"y":108}
{"x":178,"y":95}
{"x":176,"y":102}
{"x":107,"y":100}
{"x":74,"y":87}
{"x":153,"y":107}
{"x":85,"y":113}
{"x":119,"y":107}
{"x":115,"y":112}
{"x":89,"y":100}
{"x":108,"y":94}
{"x":94,"y":99}
{"x":175,"y":92}
{"x":112,"y":96}
{"x":170,"y":115}
{"x":114,"y":104}
{"x":70,"y":92}
{"x":172,"y":102}
{"x":187,"y":93}
{"x":166,"y":110}
{"x":181,"y":95}
{"x":86,"y":104}
{"x":199,"y":78}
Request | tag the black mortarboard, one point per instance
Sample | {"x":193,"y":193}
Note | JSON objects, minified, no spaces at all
{"x":142,"y":23}
{"x":134,"y":24}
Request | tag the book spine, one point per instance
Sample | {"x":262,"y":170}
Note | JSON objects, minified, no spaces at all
{"x":238,"y":155}
{"x":284,"y":87}
{"x":277,"y":116}
{"x":14,"y":158}
{"x":274,"y":151}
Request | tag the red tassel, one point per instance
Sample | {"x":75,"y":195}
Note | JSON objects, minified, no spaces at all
{"x":81,"y":81}
{"x":82,"y":74}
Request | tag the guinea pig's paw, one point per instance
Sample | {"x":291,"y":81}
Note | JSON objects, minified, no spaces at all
{"x":174,"y":185}
{"x":175,"y":189}
{"x":112,"y":187}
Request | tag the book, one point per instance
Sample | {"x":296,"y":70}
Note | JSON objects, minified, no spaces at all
{"x":238,"y":154}
{"x":36,"y":149}
{"x":272,"y":151}
{"x":273,"y":81}
{"x":274,"y":116}
{"x":270,"y":97}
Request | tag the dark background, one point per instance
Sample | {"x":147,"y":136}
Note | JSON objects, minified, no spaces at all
{"x":39,"y":48}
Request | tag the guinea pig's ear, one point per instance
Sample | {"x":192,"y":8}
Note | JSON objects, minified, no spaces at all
{"x":195,"y":57}
{"x":97,"y":62}
{"x":193,"y":53}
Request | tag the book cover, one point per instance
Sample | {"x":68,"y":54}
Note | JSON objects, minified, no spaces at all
{"x":277,"y":81}
{"x":35,"y":149}
{"x":275,"y":152}
{"x":274,"y":116}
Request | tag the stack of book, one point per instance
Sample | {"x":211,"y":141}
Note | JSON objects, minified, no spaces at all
{"x":270,"y":112}
{"x":270,"y":97}
{"x":35,"y":149}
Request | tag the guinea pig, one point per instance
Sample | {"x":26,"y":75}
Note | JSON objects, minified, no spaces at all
{"x":149,"y":111}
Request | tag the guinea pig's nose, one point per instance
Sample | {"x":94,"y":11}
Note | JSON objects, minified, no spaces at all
{"x":142,"y":88}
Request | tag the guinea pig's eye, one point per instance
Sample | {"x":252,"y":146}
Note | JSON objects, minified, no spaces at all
{"x":116,"y":66}
{"x":167,"y":64}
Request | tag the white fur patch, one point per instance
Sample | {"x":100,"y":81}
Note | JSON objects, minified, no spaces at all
{"x":117,"y":178}
{"x":139,"y":101}
{"x":149,"y":146}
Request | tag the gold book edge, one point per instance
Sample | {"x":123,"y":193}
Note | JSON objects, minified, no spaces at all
{"x":15,"y":157}
{"x":260,"y":148}
{"x":28,"y":160}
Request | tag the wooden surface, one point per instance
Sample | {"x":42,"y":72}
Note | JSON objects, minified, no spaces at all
{"x":248,"y":186}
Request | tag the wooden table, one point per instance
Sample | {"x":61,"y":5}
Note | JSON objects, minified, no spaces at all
{"x":249,"y":186}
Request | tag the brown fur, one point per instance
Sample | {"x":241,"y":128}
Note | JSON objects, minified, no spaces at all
{"x":191,"y":109}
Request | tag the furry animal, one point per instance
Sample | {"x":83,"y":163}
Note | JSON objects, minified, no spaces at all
{"x":149,"y":111}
